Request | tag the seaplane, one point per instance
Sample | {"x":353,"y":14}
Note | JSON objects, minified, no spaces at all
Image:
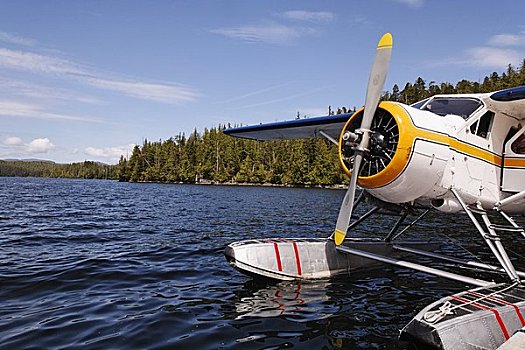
{"x":448,"y":153}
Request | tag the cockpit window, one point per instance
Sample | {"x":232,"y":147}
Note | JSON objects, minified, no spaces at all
{"x":420,"y":104}
{"x":463,"y":107}
{"x":518,"y":146}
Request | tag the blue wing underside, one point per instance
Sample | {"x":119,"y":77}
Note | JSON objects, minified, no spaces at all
{"x":512,"y":94}
{"x":293,"y":129}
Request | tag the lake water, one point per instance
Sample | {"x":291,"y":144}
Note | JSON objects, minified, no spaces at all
{"x":102,"y":264}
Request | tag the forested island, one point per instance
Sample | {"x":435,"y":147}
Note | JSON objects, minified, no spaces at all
{"x":212,"y":157}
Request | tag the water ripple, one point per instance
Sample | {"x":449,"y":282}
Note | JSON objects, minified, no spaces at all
{"x":101,"y":264}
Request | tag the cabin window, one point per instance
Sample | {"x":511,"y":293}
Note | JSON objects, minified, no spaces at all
{"x":482,"y":126}
{"x":463,"y":107}
{"x":518,"y":146}
{"x":512,"y":131}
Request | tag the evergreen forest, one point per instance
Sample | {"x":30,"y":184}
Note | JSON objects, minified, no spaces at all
{"x":215,"y":157}
{"x":212,"y":157}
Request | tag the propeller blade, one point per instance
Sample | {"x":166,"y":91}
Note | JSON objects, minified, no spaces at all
{"x":377,"y":78}
{"x":376,"y":81}
{"x":343,"y":219}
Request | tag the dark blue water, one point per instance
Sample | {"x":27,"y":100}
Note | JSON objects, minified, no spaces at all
{"x":101,"y":264}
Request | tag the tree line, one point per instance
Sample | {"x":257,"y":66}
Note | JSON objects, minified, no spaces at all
{"x":212,"y":156}
{"x":419,"y":90}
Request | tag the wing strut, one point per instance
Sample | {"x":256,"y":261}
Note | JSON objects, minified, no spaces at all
{"x":490,"y":236}
{"x":328,"y":137}
{"x":414,"y":266}
{"x":511,"y":199}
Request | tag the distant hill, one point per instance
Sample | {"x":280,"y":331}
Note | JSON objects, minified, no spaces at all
{"x":28,"y":160}
{"x":47,"y":168}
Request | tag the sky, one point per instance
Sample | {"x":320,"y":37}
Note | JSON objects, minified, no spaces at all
{"x":87,"y":80}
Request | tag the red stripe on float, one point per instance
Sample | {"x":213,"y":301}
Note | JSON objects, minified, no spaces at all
{"x":483,"y":307}
{"x":504,"y":302}
{"x":278,"y":256}
{"x":297,"y":258}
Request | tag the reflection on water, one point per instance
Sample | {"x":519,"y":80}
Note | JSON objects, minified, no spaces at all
{"x":279,"y":315}
{"x":300,"y":302}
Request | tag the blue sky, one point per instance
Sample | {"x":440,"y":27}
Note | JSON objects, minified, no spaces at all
{"x":86,"y":80}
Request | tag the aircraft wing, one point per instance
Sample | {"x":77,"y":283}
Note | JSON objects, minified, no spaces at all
{"x":512,"y":94}
{"x":510,"y":102}
{"x":293,"y":129}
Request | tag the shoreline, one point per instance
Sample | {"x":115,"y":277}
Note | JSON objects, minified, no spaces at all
{"x":201,"y":182}
{"x":247,"y":184}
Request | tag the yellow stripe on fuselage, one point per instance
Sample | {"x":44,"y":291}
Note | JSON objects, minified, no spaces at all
{"x":514,"y":162}
{"x":474,"y":151}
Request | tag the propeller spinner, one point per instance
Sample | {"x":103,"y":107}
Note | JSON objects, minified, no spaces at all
{"x":376,"y":81}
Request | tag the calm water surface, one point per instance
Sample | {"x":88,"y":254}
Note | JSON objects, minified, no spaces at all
{"x":101,"y":264}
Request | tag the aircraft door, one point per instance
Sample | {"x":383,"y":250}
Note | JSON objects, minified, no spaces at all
{"x":514,"y":162}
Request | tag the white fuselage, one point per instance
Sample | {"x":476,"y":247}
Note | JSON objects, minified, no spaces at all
{"x":470,"y":153}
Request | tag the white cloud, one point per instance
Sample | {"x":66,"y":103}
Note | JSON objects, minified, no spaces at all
{"x":110,"y":153}
{"x":308,"y":16}
{"x":37,"y":63}
{"x":358,"y":20}
{"x":16,"y":39}
{"x":13,"y":141}
{"x":411,"y":3}
{"x":27,"y":110}
{"x":43,"y":64}
{"x":285,"y":98}
{"x":16,"y":147}
{"x":507,"y":40}
{"x":492,"y":57}
{"x":166,"y":93}
{"x":254,"y":93}
{"x":500,"y":51}
{"x":39,"y":146}
{"x":273,"y":33}
{"x":10,"y":87}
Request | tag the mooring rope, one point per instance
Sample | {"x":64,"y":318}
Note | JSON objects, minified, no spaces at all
{"x":457,"y":243}
{"x":447,"y":308}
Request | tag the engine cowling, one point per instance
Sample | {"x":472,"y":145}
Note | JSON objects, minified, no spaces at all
{"x":407,"y":154}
